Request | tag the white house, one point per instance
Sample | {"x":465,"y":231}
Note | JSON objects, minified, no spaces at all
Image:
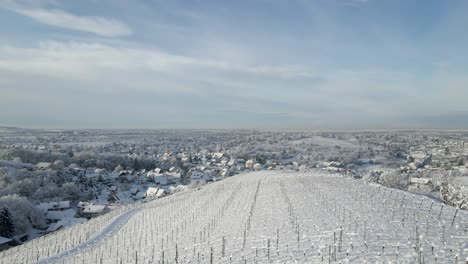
{"x":93,"y":210}
{"x":249,"y":164}
{"x":82,"y":204}
{"x":217,"y":155}
{"x":420,"y":181}
{"x":198,"y":177}
{"x":157,"y":178}
{"x":173,"y":175}
{"x":161,"y":193}
{"x":224,"y":172}
{"x":44,"y":165}
{"x":257,"y":166}
{"x":151,"y":192}
{"x":54,"y":206}
{"x":66,"y":222}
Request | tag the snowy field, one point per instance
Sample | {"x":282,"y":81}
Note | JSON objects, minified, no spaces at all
{"x":263,"y":217}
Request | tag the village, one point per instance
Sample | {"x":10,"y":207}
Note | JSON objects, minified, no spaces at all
{"x":59,"y":179}
{"x":123,"y":187}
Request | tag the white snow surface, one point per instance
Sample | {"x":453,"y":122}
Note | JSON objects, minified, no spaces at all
{"x":267,"y":217}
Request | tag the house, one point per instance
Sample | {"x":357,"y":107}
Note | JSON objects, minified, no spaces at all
{"x":173,"y":175}
{"x":157,"y":177}
{"x":249,"y":164}
{"x":161,"y":193}
{"x":334,"y":164}
{"x":217,"y":155}
{"x":82,"y":204}
{"x":4,"y":243}
{"x":138,"y":196}
{"x":420,"y":181}
{"x":102,"y":199}
{"x":224,"y":172}
{"x":126,"y":178}
{"x":55,"y":216}
{"x":421,"y":185}
{"x":44,"y":165}
{"x":54,"y":227}
{"x":257,"y":166}
{"x":151,"y":192}
{"x":54,"y":206}
{"x":94,"y":210}
{"x":64,"y":223}
{"x":134,"y":191}
{"x":161,"y":180}
{"x":198,"y":177}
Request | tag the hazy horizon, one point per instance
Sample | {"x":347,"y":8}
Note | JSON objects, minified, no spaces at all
{"x":263,"y":64}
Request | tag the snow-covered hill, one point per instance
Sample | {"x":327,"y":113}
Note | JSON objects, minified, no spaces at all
{"x":263,"y":217}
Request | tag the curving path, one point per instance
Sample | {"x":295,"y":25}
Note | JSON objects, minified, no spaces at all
{"x":108,"y":231}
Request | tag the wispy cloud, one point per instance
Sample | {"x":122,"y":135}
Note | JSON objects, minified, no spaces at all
{"x":285,"y":71}
{"x":102,"y":26}
{"x":80,"y":60}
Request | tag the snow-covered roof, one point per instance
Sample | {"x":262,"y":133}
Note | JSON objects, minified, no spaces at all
{"x":58,"y":215}
{"x":160,"y":179}
{"x":160,"y":193}
{"x":174,"y":174}
{"x":153,"y":174}
{"x":43,"y":165}
{"x":94,"y":208}
{"x":139,"y":195}
{"x":151,"y":191}
{"x":197,"y":175}
{"x":4,"y":240}
{"x":82,"y":204}
{"x":218,"y":154}
{"x":102,"y":200}
{"x":66,"y":222}
{"x":420,"y":180}
{"x":54,"y":206}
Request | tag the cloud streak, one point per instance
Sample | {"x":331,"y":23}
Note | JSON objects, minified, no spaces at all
{"x":101,"y":26}
{"x":81,"y":60}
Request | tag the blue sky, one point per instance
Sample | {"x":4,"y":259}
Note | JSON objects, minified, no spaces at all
{"x":330,"y":64}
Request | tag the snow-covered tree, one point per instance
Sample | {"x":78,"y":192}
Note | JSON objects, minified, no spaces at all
{"x":69,"y":191}
{"x":394,"y":179}
{"x":23,"y":212}
{"x":118,"y":168}
{"x":7,"y":228}
{"x":455,"y":195}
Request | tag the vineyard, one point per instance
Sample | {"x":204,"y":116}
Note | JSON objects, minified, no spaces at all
{"x":265,"y":217}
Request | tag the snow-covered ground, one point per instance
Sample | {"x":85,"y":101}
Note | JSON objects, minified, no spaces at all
{"x":109,"y":230}
{"x":263,"y":217}
{"x":324,"y":141}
